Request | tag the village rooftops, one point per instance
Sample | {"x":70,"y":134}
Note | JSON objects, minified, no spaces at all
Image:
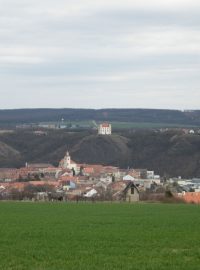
{"x":7,"y":169}
{"x":22,"y":185}
{"x":191,"y":197}
{"x":39,"y":165}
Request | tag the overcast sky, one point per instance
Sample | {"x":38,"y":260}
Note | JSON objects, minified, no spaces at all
{"x":100,"y":53}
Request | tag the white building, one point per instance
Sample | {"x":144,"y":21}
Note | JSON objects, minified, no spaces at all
{"x":91,"y":193}
{"x":68,"y":163}
{"x":150,"y":174}
{"x":128,"y":178}
{"x":105,"y":129}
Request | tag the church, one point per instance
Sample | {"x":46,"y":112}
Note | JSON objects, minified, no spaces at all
{"x":68,"y":163}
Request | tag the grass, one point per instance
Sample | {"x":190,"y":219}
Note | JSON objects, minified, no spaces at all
{"x":42,"y":236}
{"x":125,"y":125}
{"x":141,"y":125}
{"x":86,"y":123}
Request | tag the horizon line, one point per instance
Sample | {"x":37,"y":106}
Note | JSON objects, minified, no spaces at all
{"x":96,"y":109}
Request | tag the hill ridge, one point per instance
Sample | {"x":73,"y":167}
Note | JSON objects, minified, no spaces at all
{"x":167,"y":116}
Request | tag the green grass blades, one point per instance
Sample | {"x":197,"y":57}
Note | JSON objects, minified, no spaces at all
{"x":52,"y":236}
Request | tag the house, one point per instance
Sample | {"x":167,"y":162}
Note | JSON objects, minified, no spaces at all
{"x":9,"y":174}
{"x":190,"y":197}
{"x":150,"y":174}
{"x":69,"y":185}
{"x":105,"y":129}
{"x":40,"y":133}
{"x":130,"y":193}
{"x":107,"y":179}
{"x":90,"y":194}
{"x":138,"y":173}
{"x":38,"y":165}
{"x":128,"y":178}
{"x":124,"y":190}
{"x":66,"y":173}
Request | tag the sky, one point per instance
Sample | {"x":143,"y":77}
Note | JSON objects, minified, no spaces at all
{"x":100,"y":54}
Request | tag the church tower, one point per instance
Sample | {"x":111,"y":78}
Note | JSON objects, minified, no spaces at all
{"x":67,"y":161}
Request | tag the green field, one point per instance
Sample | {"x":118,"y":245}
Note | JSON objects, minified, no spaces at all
{"x":143,"y":125}
{"x":85,"y":236}
{"x":123,"y":125}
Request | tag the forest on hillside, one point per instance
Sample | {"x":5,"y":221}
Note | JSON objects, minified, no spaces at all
{"x":169,"y":153}
{"x":13,"y":117}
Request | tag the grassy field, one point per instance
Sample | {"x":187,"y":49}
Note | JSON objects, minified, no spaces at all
{"x":60,"y":236}
{"x":125,"y":125}
{"x":142,"y":125}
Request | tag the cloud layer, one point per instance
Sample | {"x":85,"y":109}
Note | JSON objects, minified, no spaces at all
{"x":100,"y":53}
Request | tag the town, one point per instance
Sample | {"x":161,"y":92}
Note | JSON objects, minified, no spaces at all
{"x":72,"y":181}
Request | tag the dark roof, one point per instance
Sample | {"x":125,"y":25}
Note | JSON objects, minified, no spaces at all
{"x":130,"y":185}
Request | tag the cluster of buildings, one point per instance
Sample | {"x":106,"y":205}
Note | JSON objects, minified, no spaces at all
{"x":72,"y":181}
{"x":103,"y":128}
{"x":75,"y":181}
{"x":187,"y":189}
{"x":186,"y":131}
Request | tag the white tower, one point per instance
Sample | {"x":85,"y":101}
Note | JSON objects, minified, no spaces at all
{"x":67,"y":161}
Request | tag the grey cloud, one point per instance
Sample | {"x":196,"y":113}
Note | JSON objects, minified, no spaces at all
{"x":84,"y":52}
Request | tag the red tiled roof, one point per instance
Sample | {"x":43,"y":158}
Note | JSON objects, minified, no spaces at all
{"x":88,"y":170}
{"x":192,"y":197}
{"x":68,"y":178}
{"x":41,"y":183}
{"x":120,"y":185}
{"x":105,"y":125}
{"x":39,"y":165}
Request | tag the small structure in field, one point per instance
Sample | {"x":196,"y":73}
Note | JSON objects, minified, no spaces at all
{"x":131,"y":193}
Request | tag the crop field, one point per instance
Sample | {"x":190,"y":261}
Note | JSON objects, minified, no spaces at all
{"x":58,"y":236}
{"x":122,"y":125}
{"x":143,"y":125}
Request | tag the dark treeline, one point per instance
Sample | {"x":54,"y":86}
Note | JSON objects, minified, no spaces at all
{"x":170,"y":153}
{"x":122,"y":115}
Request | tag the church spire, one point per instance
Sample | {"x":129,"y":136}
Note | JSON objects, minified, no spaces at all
{"x":67,"y":161}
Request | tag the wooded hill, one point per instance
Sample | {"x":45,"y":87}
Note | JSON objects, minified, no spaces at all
{"x":122,"y":115}
{"x":170,"y":153}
